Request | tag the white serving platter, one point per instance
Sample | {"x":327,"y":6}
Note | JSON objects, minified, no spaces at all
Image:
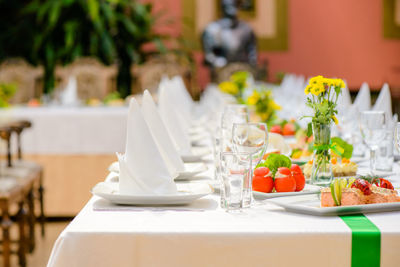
{"x":187,"y":193}
{"x":310,"y":204}
{"x":308,"y":189}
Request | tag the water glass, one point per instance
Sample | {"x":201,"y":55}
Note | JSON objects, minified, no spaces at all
{"x":385,"y":156}
{"x":232,"y":114}
{"x":397,"y":136}
{"x":250,"y":138}
{"x":373,"y":131}
{"x":236,"y":177}
{"x":216,"y":141}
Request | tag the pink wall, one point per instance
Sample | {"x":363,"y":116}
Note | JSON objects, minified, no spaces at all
{"x":338,"y":38}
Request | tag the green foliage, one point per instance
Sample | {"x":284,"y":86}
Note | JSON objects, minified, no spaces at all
{"x":7,"y":91}
{"x":346,"y":149}
{"x":275,"y":161}
{"x":51,"y":32}
{"x":112,"y":96}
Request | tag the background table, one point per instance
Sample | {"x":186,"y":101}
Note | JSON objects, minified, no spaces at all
{"x":202,"y":234}
{"x":75,"y":145}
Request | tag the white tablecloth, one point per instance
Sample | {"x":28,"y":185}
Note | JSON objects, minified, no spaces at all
{"x":202,"y":234}
{"x":71,"y":130}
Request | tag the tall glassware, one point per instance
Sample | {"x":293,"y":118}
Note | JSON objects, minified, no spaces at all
{"x":250,"y":138}
{"x":373,"y":131}
{"x":397,"y":137}
{"x":232,"y":114}
{"x":235,"y":176}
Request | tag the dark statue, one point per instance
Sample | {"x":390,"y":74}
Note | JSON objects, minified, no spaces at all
{"x":228,"y":39}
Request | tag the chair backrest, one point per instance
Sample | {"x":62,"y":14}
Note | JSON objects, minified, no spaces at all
{"x":25,"y":76}
{"x":149,"y":74}
{"x":94,"y":80}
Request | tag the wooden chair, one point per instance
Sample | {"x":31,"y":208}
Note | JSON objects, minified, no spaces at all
{"x":24,"y":76}
{"x":23,"y":182}
{"x":149,"y":75}
{"x":94,"y":80}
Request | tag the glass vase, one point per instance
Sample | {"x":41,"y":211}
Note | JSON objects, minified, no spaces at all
{"x":321,"y":173}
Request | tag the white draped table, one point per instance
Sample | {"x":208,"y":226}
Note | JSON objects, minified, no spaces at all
{"x":202,"y":234}
{"x":75,"y":145}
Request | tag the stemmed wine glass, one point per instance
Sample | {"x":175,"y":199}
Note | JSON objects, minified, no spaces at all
{"x":373,"y":131}
{"x":232,"y":114}
{"x":397,"y":136}
{"x":250,"y":138}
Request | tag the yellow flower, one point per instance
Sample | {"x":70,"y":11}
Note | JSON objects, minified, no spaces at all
{"x":274,"y":105}
{"x":253,"y":99}
{"x":318,"y":89}
{"x":316,"y":80}
{"x":229,"y":88}
{"x":335,"y":120}
{"x":308,"y":89}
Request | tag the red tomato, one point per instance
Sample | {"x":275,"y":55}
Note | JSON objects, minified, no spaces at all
{"x":276,"y":129}
{"x":288,"y":129}
{"x":284,"y":171}
{"x":382,"y":183}
{"x":261,"y":171}
{"x":263,"y":184}
{"x":298,"y":176}
{"x":284,"y":182}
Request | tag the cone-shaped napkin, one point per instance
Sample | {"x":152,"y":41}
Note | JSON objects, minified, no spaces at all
{"x":183,"y":94}
{"x":160,"y":133}
{"x":142,"y":168}
{"x":174,"y":123}
{"x":384,"y":102}
{"x":344,"y":101}
{"x":69,"y":96}
{"x":363,"y":99}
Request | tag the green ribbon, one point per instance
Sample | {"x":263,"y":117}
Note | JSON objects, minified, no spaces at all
{"x":365,"y":241}
{"x":335,"y":147}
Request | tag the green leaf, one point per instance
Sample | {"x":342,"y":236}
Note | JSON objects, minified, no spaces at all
{"x":346,"y":147}
{"x":309,"y":129}
{"x":275,"y":161}
{"x":93,"y":7}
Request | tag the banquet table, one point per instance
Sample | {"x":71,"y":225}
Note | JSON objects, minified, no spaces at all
{"x":74,"y":145}
{"x":202,"y":234}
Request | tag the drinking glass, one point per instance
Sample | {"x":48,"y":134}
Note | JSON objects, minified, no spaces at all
{"x":250,"y":138}
{"x":397,"y":137}
{"x":235,"y":175}
{"x":373,"y":131}
{"x":232,"y":114}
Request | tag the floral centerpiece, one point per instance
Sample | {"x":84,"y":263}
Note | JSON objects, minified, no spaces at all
{"x":323,"y":94}
{"x":263,"y":104}
{"x":236,"y":85}
{"x":259,"y":100}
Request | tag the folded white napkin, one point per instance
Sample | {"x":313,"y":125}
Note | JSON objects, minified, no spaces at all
{"x":69,"y":96}
{"x":384,"y":102}
{"x":142,"y":167}
{"x":363,"y":98}
{"x":175,"y":123}
{"x":160,"y":134}
{"x":344,"y":101}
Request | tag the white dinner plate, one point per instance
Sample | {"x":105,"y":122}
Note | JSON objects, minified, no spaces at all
{"x":191,"y":169}
{"x":187,"y":193}
{"x":197,"y":154}
{"x":308,"y":189}
{"x":365,"y":171}
{"x":311,"y":204}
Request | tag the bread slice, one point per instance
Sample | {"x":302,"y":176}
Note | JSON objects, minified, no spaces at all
{"x":354,"y":196}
